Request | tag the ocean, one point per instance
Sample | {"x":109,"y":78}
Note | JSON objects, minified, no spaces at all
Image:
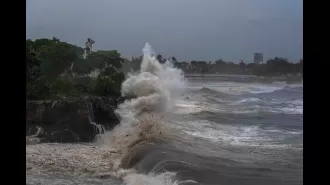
{"x":229,"y":130}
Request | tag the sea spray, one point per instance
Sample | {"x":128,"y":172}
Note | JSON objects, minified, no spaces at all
{"x":156,"y":88}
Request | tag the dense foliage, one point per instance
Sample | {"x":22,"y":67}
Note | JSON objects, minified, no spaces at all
{"x":57,"y":69}
{"x":273,"y":67}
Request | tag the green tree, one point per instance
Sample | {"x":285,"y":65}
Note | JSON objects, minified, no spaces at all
{"x":56,"y":58}
{"x":82,"y":66}
{"x":32,"y":66}
{"x":102,"y":59}
{"x":38,"y":43}
{"x":56,"y":39}
{"x":109,"y":82}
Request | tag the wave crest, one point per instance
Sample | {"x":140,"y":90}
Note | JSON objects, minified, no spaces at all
{"x":156,"y":88}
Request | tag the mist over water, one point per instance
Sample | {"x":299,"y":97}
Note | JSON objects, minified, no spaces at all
{"x":185,"y":131}
{"x":155,"y":88}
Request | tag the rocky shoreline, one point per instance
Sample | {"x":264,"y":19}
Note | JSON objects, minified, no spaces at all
{"x":66,"y":121}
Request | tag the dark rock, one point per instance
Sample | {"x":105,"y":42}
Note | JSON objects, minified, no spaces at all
{"x":70,"y":121}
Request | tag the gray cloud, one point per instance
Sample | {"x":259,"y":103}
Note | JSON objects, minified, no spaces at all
{"x":187,"y":29}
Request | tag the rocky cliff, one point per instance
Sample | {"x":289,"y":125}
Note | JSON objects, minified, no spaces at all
{"x":70,"y":120}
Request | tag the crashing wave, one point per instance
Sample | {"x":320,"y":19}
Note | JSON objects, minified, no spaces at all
{"x":156,"y":88}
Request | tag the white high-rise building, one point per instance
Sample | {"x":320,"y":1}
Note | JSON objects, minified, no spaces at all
{"x":258,"y":58}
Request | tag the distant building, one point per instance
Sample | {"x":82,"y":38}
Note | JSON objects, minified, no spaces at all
{"x":258,"y":58}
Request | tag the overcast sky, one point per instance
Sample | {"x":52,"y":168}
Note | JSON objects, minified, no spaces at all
{"x":187,"y":29}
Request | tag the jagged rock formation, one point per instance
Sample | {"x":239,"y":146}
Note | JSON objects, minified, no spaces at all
{"x":70,"y":120}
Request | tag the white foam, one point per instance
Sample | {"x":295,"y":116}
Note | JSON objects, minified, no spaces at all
{"x":156,"y":87}
{"x":246,"y":106}
{"x":279,"y":83}
{"x":255,"y":89}
{"x":237,"y":88}
{"x":296,"y":102}
{"x":189,"y":107}
{"x":288,"y":110}
{"x":247,"y":100}
{"x":141,"y":179}
{"x":251,"y":136}
{"x":165,"y":178}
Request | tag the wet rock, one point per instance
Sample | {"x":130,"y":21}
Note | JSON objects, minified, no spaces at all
{"x":70,"y":121}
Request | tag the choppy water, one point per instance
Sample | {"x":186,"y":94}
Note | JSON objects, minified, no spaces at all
{"x":230,"y":133}
{"x":216,"y":132}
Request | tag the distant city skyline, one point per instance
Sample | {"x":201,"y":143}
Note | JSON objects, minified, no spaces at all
{"x":186,"y":29}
